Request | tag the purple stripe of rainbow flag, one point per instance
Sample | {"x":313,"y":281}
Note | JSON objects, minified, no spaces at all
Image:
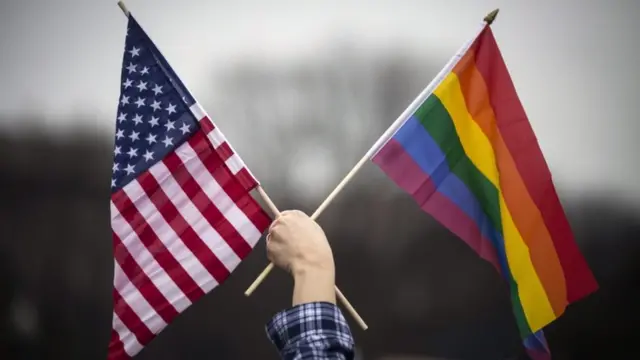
{"x":470,"y":158}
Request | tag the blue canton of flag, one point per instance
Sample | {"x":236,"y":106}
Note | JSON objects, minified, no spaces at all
{"x":153,"y":112}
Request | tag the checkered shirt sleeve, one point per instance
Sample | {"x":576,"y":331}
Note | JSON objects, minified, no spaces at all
{"x":316,"y":330}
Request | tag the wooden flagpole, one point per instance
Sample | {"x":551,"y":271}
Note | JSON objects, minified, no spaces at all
{"x":488,"y":20}
{"x":123,"y":7}
{"x":352,"y":311}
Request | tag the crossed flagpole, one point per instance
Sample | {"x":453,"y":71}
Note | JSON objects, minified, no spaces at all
{"x":368,"y":155}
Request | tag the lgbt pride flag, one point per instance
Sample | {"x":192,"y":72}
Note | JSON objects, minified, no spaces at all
{"x":468,"y":155}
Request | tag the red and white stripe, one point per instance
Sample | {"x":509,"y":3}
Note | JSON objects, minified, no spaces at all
{"x":179,"y":230}
{"x":224,"y":149}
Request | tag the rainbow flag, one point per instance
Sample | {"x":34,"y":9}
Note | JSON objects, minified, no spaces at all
{"x":470,"y":158}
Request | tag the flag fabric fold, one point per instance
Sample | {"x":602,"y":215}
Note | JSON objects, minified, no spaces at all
{"x":536,"y":346}
{"x":182,"y":215}
{"x":469,"y":157}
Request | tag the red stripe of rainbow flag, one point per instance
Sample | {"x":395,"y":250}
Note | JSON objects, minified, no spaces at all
{"x":470,"y":158}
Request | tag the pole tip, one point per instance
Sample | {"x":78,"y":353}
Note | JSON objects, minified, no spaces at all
{"x":489,"y":19}
{"x":123,"y":7}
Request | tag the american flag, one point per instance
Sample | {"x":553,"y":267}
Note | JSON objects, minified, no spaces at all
{"x":181,"y":212}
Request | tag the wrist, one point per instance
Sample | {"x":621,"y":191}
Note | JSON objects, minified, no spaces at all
{"x":313,"y":284}
{"x":319,"y":270}
{"x":321,"y":275}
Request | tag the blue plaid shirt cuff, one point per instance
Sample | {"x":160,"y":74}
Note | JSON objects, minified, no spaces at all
{"x":315,"y":330}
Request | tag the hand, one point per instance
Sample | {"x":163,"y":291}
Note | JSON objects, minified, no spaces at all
{"x":297,"y":244}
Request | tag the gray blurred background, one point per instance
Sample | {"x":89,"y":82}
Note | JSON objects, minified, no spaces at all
{"x":302,"y":89}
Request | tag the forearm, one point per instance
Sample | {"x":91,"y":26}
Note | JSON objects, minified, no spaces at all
{"x":314,"y":285}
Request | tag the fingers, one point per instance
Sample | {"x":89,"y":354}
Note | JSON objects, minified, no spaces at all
{"x":281,"y":220}
{"x":271,"y":257}
{"x":274,"y":225}
{"x":283,"y":217}
{"x":273,"y":248}
{"x":275,"y":222}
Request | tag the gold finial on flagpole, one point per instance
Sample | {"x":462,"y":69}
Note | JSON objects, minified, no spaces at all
{"x":123,"y":7}
{"x":490,"y":18}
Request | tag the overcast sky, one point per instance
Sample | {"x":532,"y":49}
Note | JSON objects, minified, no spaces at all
{"x":574,"y":62}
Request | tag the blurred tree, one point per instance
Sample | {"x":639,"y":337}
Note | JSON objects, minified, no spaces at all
{"x":302,"y":127}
